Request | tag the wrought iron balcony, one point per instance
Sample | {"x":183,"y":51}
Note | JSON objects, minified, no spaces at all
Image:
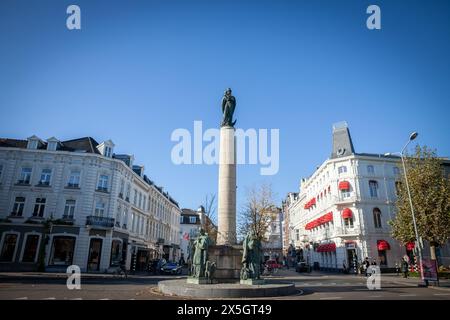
{"x":100,"y":222}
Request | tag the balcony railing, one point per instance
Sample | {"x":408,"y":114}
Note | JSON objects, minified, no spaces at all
{"x":100,"y":222}
{"x":346,"y":197}
{"x":347,"y":231}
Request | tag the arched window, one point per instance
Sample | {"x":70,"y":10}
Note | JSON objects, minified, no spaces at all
{"x":370,"y":169}
{"x":377,"y":218}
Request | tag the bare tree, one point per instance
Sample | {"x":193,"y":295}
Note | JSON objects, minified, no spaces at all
{"x":258,"y":211}
{"x":210,"y":221}
{"x":210,"y":207}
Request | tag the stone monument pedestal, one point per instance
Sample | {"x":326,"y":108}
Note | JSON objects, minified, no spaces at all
{"x":192,"y":280}
{"x":253,"y":282}
{"x":228,"y":262}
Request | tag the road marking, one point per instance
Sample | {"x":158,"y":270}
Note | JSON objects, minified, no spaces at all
{"x":49,"y":298}
{"x":22,"y":298}
{"x":330,"y":298}
{"x":441,"y":294}
{"x":104,"y":299}
{"x":77,"y":299}
{"x":408,"y":295}
{"x":376,"y":296}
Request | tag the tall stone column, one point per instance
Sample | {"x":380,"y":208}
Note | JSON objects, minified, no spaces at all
{"x":227,"y":187}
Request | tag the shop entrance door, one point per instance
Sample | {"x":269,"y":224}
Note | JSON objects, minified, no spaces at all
{"x":95,"y":252}
{"x":352,"y":260}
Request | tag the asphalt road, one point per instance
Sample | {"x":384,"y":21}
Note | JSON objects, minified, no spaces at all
{"x":313,"y":286}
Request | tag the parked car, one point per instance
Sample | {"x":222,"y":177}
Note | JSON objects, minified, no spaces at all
{"x":171,"y":268}
{"x":273,"y":264}
{"x":302,"y":266}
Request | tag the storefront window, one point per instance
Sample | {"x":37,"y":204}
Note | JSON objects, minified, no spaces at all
{"x":31,"y":248}
{"x":8,"y":248}
{"x":62,"y":250}
{"x":116,"y":252}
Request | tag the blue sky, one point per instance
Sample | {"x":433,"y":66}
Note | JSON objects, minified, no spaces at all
{"x":140,"y":69}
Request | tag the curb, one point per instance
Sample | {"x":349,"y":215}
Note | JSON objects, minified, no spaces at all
{"x":415,"y":285}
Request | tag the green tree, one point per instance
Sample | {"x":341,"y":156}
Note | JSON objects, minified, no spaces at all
{"x":430,"y":193}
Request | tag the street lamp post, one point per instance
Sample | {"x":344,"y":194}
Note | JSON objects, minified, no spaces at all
{"x":419,"y":249}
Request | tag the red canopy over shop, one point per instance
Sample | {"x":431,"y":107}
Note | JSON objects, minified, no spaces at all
{"x":327,"y":247}
{"x":383,"y":245}
{"x":319,"y":221}
{"x":344,"y":185}
{"x":410,"y":246}
{"x":347,"y":213}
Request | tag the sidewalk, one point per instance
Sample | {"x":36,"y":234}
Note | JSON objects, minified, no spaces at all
{"x":444,"y":284}
{"x":58,"y":275}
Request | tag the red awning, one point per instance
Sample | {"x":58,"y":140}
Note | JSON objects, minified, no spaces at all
{"x":383,"y":245}
{"x":328,"y":247}
{"x":344,"y":185}
{"x":347,"y":213}
{"x":329,"y":217}
{"x":410,"y":246}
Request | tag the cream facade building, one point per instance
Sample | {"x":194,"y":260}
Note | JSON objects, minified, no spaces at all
{"x":77,"y":202}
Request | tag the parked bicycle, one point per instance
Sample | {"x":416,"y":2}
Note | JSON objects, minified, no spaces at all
{"x":121,"y":271}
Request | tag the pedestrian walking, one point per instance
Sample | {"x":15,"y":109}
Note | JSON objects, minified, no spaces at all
{"x":366,"y":265}
{"x":405,"y":268}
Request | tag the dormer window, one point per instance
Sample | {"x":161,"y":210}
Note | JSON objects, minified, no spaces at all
{"x":52,"y":144}
{"x":106,"y":148}
{"x":108,"y":152}
{"x":34,"y":142}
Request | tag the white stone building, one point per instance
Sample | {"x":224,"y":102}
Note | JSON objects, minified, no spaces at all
{"x":342,"y":211}
{"x":76,"y":202}
{"x":190,"y":224}
{"x":273,"y":244}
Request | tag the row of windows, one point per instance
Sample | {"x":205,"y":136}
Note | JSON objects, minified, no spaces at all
{"x":370,"y":169}
{"x":343,"y":169}
{"x":376,"y":214}
{"x":139,"y":224}
{"x":39,"y":207}
{"x":150,"y":204}
{"x":73,"y":180}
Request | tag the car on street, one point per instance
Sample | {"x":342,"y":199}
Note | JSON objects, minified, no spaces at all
{"x":273,"y":264}
{"x":171,"y":268}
